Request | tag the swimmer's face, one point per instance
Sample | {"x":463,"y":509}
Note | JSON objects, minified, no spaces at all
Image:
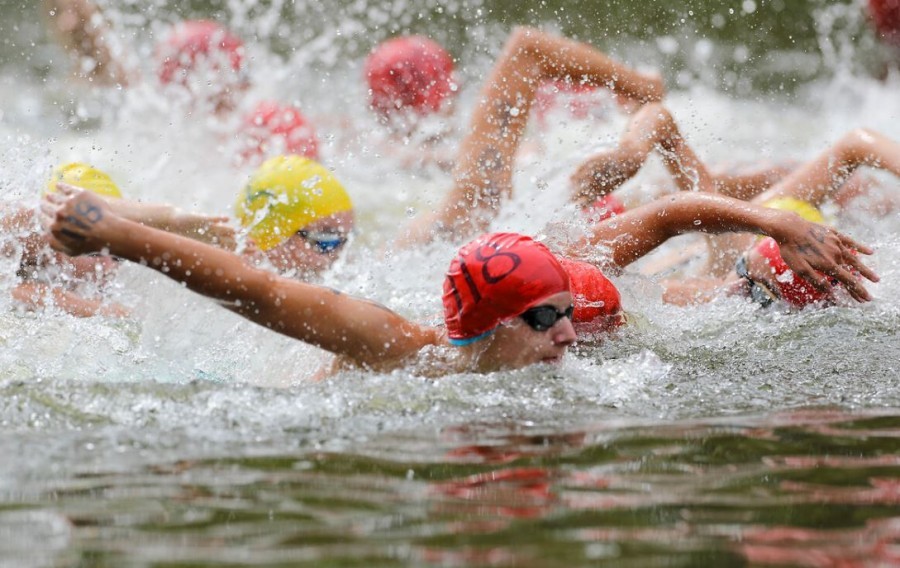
{"x":515,"y":344}
{"x":315,"y":247}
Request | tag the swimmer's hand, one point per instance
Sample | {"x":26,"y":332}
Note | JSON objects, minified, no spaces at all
{"x":210,"y":229}
{"x":815,"y":252}
{"x":74,"y":219}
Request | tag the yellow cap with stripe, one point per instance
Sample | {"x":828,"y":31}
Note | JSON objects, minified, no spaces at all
{"x":86,"y":177}
{"x":286,"y":194}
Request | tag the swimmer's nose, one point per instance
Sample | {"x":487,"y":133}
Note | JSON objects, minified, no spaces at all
{"x":564,"y":332}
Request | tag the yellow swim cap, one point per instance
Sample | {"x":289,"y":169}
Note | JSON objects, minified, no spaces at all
{"x":86,"y":177}
{"x":798,"y":206}
{"x":286,"y":194}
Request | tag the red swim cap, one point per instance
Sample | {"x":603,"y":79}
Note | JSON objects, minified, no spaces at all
{"x":886,"y":19}
{"x":597,"y":300}
{"x":495,"y":278}
{"x":574,"y":96}
{"x":603,"y":208}
{"x":272,"y":129}
{"x":193,"y":41}
{"x":794,"y":290}
{"x":409,"y":72}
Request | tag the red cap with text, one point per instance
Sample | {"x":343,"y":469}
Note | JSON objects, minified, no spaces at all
{"x":495,"y":278}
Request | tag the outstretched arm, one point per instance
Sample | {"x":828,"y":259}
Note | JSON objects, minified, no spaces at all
{"x":361,"y":331}
{"x":808,"y":248}
{"x":484,"y":166}
{"x":209,"y":229}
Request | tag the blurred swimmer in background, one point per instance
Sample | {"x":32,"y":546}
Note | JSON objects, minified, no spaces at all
{"x":741,"y":265}
{"x":199,"y":63}
{"x":76,"y":285}
{"x":484,"y":163}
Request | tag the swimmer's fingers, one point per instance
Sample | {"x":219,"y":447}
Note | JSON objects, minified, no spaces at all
{"x":46,"y":213}
{"x":853,"y":244}
{"x":851,"y":250}
{"x":855,"y":263}
{"x":67,"y":189}
{"x":60,"y":246}
{"x":816,"y":269}
{"x":852,"y":284}
{"x":810,"y":273}
{"x":842,"y":269}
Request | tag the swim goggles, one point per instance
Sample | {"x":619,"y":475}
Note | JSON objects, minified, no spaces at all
{"x":542,"y":318}
{"x":325,"y":242}
{"x":759,"y":292}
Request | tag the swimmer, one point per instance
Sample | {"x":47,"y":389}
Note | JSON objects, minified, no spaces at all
{"x":297,"y":214}
{"x":885,"y":17}
{"x":508,"y":300}
{"x":412,"y":87}
{"x":409,"y":76}
{"x":484,"y":165}
{"x":272,"y":129}
{"x":72,"y":284}
{"x":199,"y":62}
{"x":196,"y":55}
{"x":750,"y":267}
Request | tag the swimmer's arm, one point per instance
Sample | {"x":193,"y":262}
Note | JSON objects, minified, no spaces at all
{"x":808,"y":248}
{"x":81,"y":28}
{"x":209,"y":229}
{"x":651,"y":128}
{"x":483,"y":172}
{"x":362,"y":331}
{"x":34,"y":296}
{"x":748,"y":183}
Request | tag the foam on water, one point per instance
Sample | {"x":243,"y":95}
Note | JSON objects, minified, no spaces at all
{"x":103,"y":375}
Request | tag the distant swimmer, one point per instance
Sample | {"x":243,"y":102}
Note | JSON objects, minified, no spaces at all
{"x":272,"y":129}
{"x":200,"y":63}
{"x":410,"y":75}
{"x":508,"y":300}
{"x":77,"y":285}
